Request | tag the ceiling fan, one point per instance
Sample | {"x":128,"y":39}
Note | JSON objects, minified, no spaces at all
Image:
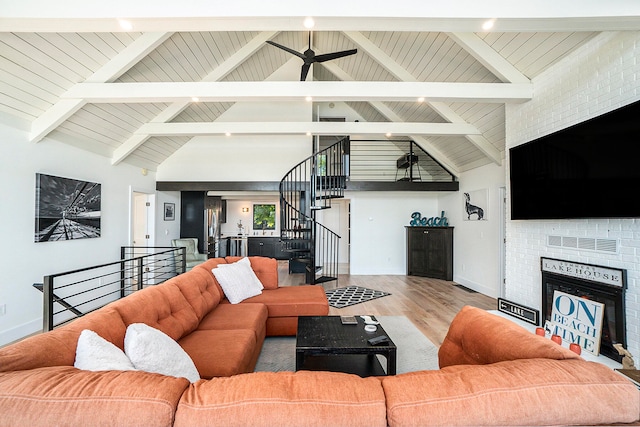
{"x":309,"y":56}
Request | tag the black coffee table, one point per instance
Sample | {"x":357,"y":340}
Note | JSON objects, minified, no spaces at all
{"x":323,"y":343}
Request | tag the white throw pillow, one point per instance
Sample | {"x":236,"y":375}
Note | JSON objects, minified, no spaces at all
{"x":151,"y":350}
{"x":238,"y":281}
{"x":94,"y":353}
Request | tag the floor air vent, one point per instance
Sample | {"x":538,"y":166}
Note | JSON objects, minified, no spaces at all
{"x":609,"y":246}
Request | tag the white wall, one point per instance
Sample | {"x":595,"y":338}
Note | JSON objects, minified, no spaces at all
{"x":602,"y":75}
{"x":378,"y":236}
{"x":167,"y":230}
{"x":477,"y":257}
{"x":25,"y":262}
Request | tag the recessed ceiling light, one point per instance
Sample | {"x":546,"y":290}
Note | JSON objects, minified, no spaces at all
{"x":195,"y":99}
{"x":308,"y":133}
{"x":308,"y":99}
{"x":125,"y":25}
{"x":227,"y":133}
{"x":309,"y":22}
{"x":488,"y":24}
{"x":421,"y":99}
{"x":388,"y":134}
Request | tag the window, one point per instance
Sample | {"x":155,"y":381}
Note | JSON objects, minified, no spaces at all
{"x":264,"y":217}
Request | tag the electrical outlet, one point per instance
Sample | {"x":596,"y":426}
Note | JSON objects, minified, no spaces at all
{"x":3,"y":309}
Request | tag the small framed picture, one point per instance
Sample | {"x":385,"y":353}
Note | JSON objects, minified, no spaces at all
{"x":169,"y":211}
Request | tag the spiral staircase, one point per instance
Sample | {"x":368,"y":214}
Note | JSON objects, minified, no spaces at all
{"x":305,"y":190}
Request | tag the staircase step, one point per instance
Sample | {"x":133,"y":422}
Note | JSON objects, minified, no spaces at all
{"x":327,"y":197}
{"x":296,"y":250}
{"x":324,"y":279}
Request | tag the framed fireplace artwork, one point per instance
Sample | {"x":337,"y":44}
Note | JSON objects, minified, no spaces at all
{"x":604,"y":285}
{"x":66,"y":209}
{"x":475,"y":205}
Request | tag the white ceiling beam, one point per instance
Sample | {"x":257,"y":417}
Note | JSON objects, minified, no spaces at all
{"x":391,"y":115}
{"x":441,"y":108}
{"x":488,"y":57}
{"x":323,"y":91}
{"x":338,"y":23}
{"x":334,"y":15}
{"x":302,"y":128}
{"x":136,"y":140}
{"x":114,"y":68}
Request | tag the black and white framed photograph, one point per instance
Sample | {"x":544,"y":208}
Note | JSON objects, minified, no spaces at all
{"x":169,"y":211}
{"x":66,"y":208}
{"x":475,"y":205}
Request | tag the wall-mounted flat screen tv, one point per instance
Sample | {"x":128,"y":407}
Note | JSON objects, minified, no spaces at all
{"x":589,"y":170}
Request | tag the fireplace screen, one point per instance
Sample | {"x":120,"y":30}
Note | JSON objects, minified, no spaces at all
{"x":596,"y":283}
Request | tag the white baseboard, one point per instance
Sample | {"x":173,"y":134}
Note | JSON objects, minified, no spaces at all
{"x":21,"y":331}
{"x":478,"y":287}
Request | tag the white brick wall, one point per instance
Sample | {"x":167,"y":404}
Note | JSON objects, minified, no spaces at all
{"x":602,"y":75}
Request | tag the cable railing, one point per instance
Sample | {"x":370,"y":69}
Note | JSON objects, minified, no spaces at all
{"x":394,"y":160}
{"x":72,"y":294}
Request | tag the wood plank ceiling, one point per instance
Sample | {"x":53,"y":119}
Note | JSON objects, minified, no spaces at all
{"x":45,"y":83}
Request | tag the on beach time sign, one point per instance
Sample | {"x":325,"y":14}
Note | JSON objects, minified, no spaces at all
{"x":576,"y":320}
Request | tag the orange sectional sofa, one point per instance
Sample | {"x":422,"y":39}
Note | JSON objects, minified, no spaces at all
{"x":493,"y":372}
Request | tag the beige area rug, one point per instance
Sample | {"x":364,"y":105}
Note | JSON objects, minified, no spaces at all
{"x":415,"y":351}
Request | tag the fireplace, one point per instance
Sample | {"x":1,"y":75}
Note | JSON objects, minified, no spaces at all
{"x":597,"y":283}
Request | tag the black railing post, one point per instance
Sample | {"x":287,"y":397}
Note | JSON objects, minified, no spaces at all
{"x":47,"y":314}
{"x":183,"y":255}
{"x":140,"y":272}
{"x":122,"y":269}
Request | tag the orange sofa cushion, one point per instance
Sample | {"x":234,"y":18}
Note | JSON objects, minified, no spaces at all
{"x":162,"y":307}
{"x":476,"y":337}
{"x":222,"y":353}
{"x":265,"y":268}
{"x":209,"y":265}
{"x":67,"y":396}
{"x":58,"y":347}
{"x":514,"y":393}
{"x":304,"y":398}
{"x":237,"y":316}
{"x":305,"y":300}
{"x":199,"y":289}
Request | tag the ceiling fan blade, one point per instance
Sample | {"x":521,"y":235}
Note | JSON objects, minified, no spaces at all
{"x":296,"y":53}
{"x":335,"y":55}
{"x":304,"y":72}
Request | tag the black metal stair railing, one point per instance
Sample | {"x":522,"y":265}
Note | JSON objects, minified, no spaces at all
{"x":306,"y":189}
{"x":72,"y":294}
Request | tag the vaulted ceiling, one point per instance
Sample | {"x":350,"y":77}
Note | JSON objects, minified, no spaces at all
{"x":130,"y":95}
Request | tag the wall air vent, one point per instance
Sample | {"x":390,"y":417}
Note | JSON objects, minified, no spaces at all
{"x":609,"y":246}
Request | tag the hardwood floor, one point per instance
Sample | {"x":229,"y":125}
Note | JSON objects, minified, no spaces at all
{"x":430,"y":304}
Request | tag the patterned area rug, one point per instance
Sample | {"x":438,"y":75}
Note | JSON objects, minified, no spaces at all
{"x":415,"y":351}
{"x":351,"y":295}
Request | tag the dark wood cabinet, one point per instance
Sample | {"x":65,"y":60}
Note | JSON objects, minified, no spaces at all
{"x":430,"y":252}
{"x":266,"y":246}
